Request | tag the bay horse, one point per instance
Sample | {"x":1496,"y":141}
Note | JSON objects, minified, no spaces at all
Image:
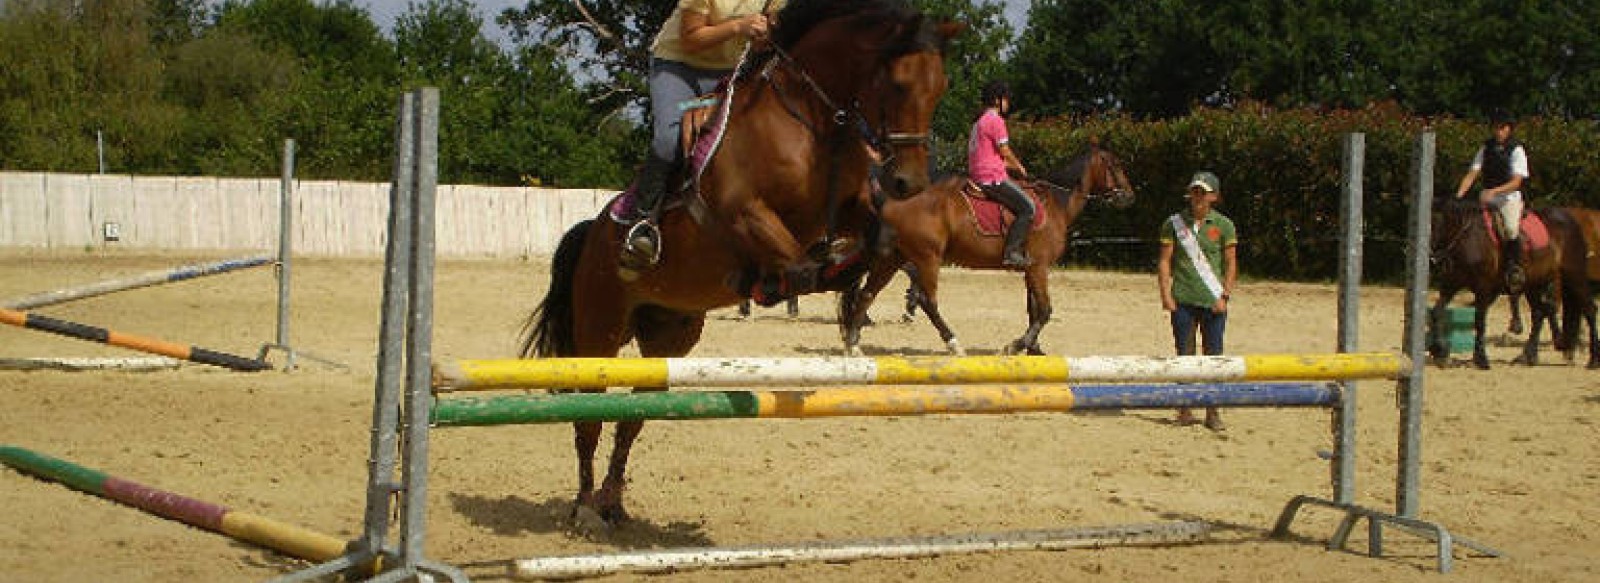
{"x":937,"y":226}
{"x":848,"y":75}
{"x":1467,"y":256}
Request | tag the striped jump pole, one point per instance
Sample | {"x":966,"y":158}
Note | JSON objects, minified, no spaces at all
{"x":51,"y":298}
{"x":870,"y":401}
{"x":675,"y":560}
{"x":741,"y":372}
{"x":286,"y":538}
{"x":130,"y":341}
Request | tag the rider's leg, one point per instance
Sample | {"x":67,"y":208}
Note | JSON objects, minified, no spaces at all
{"x":1009,"y":194}
{"x":1510,"y":212}
{"x":671,"y":83}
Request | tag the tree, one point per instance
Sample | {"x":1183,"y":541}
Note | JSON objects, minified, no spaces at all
{"x":973,"y":58}
{"x":607,"y":42}
{"x":1146,"y":57}
{"x":349,"y":74}
{"x":502,"y":119}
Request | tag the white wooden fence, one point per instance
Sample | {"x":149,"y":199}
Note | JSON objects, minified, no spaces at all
{"x":346,"y":219}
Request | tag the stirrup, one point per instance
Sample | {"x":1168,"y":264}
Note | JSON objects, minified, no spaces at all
{"x":1016,"y":260}
{"x":641,"y":247}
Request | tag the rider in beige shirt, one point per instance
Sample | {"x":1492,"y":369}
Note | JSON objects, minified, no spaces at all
{"x":699,"y":45}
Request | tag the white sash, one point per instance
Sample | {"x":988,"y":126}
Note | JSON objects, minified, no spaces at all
{"x":1197,"y":258}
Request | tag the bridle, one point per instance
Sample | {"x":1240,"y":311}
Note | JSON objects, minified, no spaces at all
{"x":1113,"y":194}
{"x":1442,"y":255}
{"x":883,"y":143}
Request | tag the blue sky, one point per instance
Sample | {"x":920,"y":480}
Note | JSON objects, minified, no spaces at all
{"x":384,"y":13}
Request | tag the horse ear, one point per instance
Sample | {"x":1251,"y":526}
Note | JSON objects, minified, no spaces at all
{"x":949,"y":29}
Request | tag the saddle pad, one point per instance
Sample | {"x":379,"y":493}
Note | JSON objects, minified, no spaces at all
{"x":703,"y":119}
{"x":1535,"y":236}
{"x":620,"y":208}
{"x":993,"y":218}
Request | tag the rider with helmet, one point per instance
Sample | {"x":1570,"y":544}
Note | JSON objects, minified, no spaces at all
{"x":989,"y":156}
{"x":699,"y":45}
{"x":1502,"y":163}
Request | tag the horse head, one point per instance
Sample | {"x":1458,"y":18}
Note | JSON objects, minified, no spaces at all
{"x":1096,"y":174}
{"x":878,"y":66}
{"x":1459,"y":239}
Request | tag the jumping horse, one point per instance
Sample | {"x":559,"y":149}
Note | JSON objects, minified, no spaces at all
{"x":938,"y":227}
{"x":1466,"y":255}
{"x":847,"y":76}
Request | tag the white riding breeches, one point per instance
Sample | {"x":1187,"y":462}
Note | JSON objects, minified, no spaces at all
{"x":1509,"y":205}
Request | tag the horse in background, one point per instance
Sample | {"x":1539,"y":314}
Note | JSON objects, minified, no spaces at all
{"x":1467,"y":255}
{"x":850,"y":78}
{"x":938,"y":226}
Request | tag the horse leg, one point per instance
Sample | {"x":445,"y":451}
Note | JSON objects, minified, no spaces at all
{"x":1539,"y":310}
{"x":761,"y":233}
{"x":661,"y":333}
{"x":1594,"y":335}
{"x":1439,"y":343}
{"x":585,"y":440}
{"x":1037,"y":279}
{"x":913,"y":294}
{"x":853,"y":307}
{"x":1577,"y":302}
{"x":1515,"y":327}
{"x":926,"y":280}
{"x":1482,"y":301}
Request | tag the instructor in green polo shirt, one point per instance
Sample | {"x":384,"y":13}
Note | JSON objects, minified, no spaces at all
{"x":1196,"y":272}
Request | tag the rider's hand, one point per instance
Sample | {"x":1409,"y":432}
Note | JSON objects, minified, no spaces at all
{"x":754,"y":26}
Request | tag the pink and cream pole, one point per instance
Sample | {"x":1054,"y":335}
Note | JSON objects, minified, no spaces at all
{"x":255,"y":529}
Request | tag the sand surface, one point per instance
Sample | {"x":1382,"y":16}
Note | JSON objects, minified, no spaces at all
{"x":1509,"y":459}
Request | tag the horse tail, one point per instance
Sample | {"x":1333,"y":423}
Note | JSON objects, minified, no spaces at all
{"x":548,"y":330}
{"x":1571,"y":281}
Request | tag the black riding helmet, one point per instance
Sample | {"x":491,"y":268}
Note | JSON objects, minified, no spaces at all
{"x":1502,"y":117}
{"x":994,"y":91}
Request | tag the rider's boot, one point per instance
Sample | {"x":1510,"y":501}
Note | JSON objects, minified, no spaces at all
{"x":1512,"y":256}
{"x":1016,"y":239}
{"x":643,"y":245}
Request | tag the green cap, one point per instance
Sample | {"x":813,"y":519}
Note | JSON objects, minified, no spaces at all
{"x":1205,"y":180}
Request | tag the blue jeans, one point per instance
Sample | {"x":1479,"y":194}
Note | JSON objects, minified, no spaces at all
{"x":671,"y":83}
{"x":1186,"y":319}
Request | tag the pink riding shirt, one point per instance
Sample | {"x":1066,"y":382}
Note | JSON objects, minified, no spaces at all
{"x":984,"y":164}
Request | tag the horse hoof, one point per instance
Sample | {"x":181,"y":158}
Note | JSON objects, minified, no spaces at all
{"x":586,"y":520}
{"x":1481,"y":364}
{"x":853,"y":351}
{"x":955,"y":347}
{"x":614,"y":515}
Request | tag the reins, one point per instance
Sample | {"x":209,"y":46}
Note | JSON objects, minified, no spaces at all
{"x":841,"y":118}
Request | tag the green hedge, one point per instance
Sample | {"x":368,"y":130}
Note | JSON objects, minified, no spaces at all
{"x":1280,"y":174}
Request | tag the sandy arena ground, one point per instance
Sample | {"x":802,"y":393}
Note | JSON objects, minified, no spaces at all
{"x":1510,"y":455}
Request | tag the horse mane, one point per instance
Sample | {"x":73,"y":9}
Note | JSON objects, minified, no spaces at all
{"x":1069,"y":177}
{"x":799,"y":16}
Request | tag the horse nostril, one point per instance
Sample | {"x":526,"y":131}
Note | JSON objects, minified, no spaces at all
{"x":903,"y":186}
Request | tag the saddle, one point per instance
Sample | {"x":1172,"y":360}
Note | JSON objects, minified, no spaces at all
{"x":702,"y":124}
{"x":992,"y":218}
{"x":1534,"y":235}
